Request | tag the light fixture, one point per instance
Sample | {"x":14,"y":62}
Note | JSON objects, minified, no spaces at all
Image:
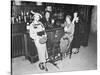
{"x":39,"y":3}
{"x":49,"y":8}
{"x":17,"y":2}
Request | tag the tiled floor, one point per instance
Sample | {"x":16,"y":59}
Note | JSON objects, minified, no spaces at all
{"x":86,"y":59}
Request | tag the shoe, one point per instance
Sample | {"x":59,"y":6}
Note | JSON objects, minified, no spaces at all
{"x":41,"y":66}
{"x":77,"y":51}
{"x":46,"y":69}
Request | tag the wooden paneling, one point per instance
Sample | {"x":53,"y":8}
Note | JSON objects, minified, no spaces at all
{"x":17,"y":45}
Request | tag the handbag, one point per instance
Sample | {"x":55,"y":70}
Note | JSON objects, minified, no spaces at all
{"x":40,"y":33}
{"x":43,"y":40}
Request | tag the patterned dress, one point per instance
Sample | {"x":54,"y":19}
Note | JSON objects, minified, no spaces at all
{"x":68,"y":37}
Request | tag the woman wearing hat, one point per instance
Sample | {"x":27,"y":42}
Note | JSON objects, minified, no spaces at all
{"x":38,"y":34}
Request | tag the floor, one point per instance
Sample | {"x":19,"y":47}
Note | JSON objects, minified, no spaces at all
{"x":86,"y":59}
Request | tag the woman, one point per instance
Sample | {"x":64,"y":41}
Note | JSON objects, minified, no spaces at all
{"x":37,"y":33}
{"x":68,"y":36}
{"x":69,"y":32}
{"x":48,"y":23}
{"x":76,"y":36}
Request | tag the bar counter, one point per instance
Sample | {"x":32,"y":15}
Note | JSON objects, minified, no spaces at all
{"x":23,"y":45}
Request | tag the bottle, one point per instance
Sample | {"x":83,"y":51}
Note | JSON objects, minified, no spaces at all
{"x":12,"y":20}
{"x":19,"y":19}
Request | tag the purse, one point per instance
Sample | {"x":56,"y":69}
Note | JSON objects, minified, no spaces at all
{"x":40,"y":33}
{"x":43,"y":40}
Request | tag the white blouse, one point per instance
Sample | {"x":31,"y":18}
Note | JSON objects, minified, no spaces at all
{"x":33,"y":31}
{"x":69,"y":28}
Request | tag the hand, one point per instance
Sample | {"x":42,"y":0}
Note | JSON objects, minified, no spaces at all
{"x":44,"y":36}
{"x":75,"y":14}
{"x":65,"y":38}
{"x":77,"y":19}
{"x":27,"y":27}
{"x":62,"y":25}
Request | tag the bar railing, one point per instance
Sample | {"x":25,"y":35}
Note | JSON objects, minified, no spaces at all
{"x":17,"y":45}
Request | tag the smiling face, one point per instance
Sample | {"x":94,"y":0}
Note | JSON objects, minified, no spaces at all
{"x":47,"y":15}
{"x":36,"y":17}
{"x":68,"y":19}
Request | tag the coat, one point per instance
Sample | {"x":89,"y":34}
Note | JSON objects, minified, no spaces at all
{"x":41,"y":48}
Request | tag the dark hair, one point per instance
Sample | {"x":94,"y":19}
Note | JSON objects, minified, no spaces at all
{"x":48,"y":12}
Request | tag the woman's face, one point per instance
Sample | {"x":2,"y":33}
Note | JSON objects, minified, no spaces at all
{"x":36,"y":18}
{"x":68,"y":20}
{"x":47,"y":14}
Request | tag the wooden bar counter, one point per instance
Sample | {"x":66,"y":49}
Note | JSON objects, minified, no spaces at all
{"x":23,"y":45}
{"x":53,"y":34}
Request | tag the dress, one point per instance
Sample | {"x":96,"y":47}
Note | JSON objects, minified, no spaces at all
{"x":50,"y":34}
{"x":41,"y":48}
{"x":69,"y":31}
{"x":76,"y":37}
{"x":67,"y":38}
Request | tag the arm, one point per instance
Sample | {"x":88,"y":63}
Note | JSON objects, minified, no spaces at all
{"x":45,"y":32}
{"x":72,"y":30}
{"x":43,"y":28}
{"x":73,"y":20}
{"x":76,"y":18}
{"x":32,"y":32}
